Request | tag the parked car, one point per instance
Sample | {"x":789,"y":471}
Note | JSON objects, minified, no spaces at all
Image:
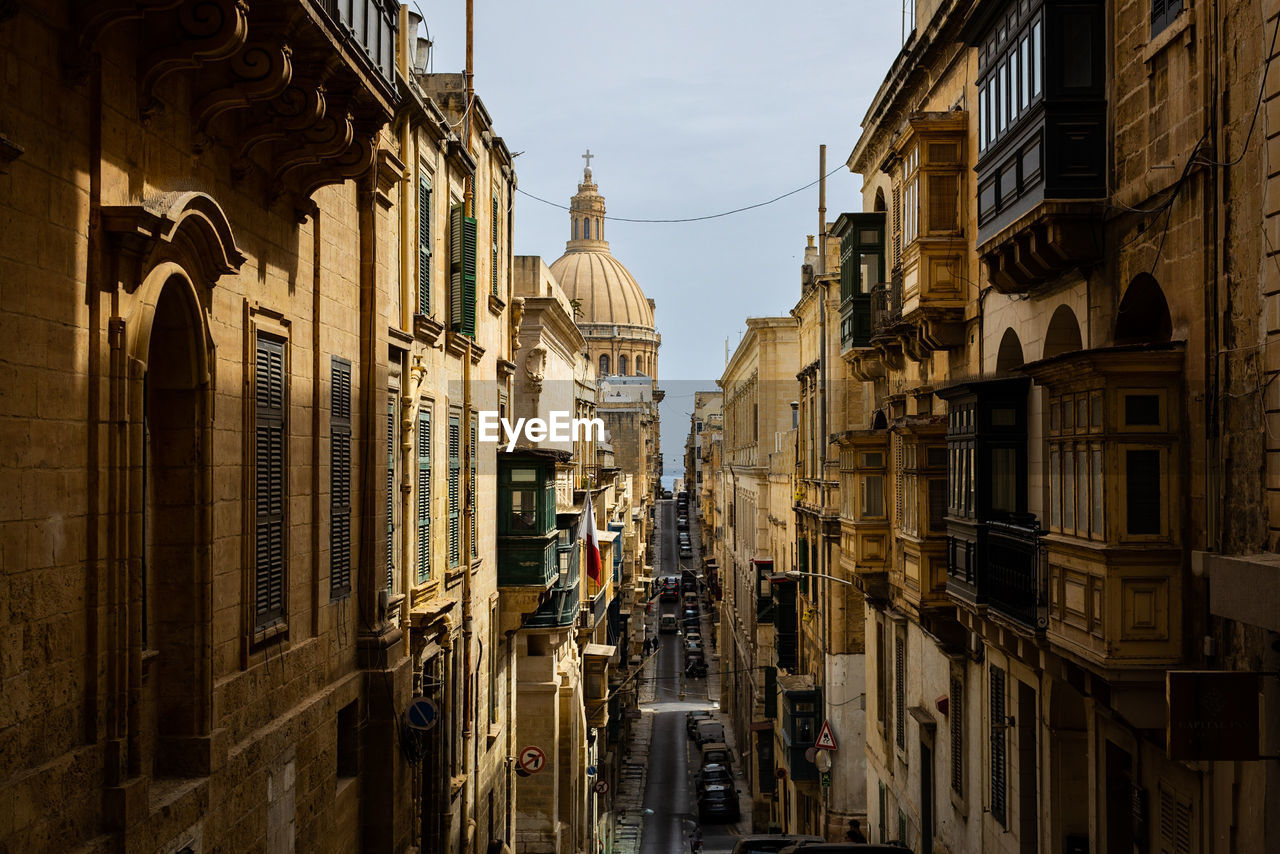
{"x":715,"y":775}
{"x":769,"y":843}
{"x":716,"y":753}
{"x":718,"y":802}
{"x":695,"y":668}
{"x":693,"y":647}
{"x":693,"y":635}
{"x":692,"y":719}
{"x":841,"y":848}
{"x":709,"y":732}
{"x":685,"y":551}
{"x":691,"y":600}
{"x":688,"y":582}
{"x":667,"y":624}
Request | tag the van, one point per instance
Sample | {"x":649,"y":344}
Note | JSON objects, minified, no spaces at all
{"x":667,"y":624}
{"x":717,"y":753}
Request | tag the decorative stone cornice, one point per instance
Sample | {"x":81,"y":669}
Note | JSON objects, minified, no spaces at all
{"x":189,"y":228}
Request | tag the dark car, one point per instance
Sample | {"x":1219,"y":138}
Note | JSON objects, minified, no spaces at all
{"x":715,"y":774}
{"x":841,"y":848}
{"x":718,"y":802}
{"x":709,"y":732}
{"x":688,"y":582}
{"x":769,"y":843}
{"x":685,"y":551}
{"x":692,"y":719}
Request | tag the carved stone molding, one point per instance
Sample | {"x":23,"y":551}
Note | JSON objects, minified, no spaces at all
{"x":260,"y":72}
{"x":200,"y":31}
{"x":189,"y":228}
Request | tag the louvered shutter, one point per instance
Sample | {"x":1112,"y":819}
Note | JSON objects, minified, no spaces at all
{"x":269,"y":500}
{"x":956,"y":711}
{"x":897,"y":226}
{"x":391,"y":493}
{"x":944,"y":202}
{"x":473,"y":507}
{"x":493,"y":240}
{"x":455,"y":499}
{"x":424,"y":494}
{"x":900,"y":693}
{"x":1162,"y":14}
{"x":1175,"y":822}
{"x":424,"y":247}
{"x":999,"y":793}
{"x":462,"y":275}
{"x":339,"y":478}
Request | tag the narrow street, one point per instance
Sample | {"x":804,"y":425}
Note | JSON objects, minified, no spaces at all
{"x":670,"y":798}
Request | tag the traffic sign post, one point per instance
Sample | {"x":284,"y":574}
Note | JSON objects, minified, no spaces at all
{"x":602,"y":787}
{"x":422,"y":714}
{"x":826,"y":739}
{"x":531,"y":759}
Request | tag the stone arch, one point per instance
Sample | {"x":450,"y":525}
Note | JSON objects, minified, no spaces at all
{"x":879,"y":421}
{"x":879,"y":206}
{"x":1010,"y":354}
{"x":1063,"y":334}
{"x":171,"y":417}
{"x":1143,"y":316}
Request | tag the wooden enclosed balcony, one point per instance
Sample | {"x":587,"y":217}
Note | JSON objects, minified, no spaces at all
{"x":997,"y":567}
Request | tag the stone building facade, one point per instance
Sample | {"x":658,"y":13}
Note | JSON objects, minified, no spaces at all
{"x":758,"y":385}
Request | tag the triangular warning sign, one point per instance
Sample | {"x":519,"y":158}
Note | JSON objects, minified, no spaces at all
{"x":826,"y":741}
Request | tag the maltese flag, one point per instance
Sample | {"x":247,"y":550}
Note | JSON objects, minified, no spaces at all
{"x":587,"y":533}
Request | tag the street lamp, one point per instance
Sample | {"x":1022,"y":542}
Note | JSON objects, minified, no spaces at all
{"x":795,"y":574}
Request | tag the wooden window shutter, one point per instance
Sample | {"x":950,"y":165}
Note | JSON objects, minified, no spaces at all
{"x":900,"y":692}
{"x":955,"y":711}
{"x":999,"y":791}
{"x":494,"y":241}
{"x":424,"y":493}
{"x":462,"y":272}
{"x":944,"y":201}
{"x":472,"y":505}
{"x":391,"y":493}
{"x":455,"y":498}
{"x":269,"y":481}
{"x":1175,"y":822}
{"x":424,"y":247}
{"x":339,"y":478}
{"x":897,"y":226}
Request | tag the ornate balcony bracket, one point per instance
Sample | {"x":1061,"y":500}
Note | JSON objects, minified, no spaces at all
{"x":1049,"y":240}
{"x":261,"y":72}
{"x":198,"y":32}
{"x":189,"y":228}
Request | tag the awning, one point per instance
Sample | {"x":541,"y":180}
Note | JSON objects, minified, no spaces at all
{"x":599,"y":650}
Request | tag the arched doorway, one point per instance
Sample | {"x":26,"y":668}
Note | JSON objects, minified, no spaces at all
{"x":176,"y":535}
{"x":1063,"y":334}
{"x":1010,"y":353}
{"x":1143,"y":316}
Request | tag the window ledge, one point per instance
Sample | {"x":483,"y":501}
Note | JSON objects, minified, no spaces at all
{"x":428,"y":329}
{"x":1180,"y":25}
{"x":496,"y":304}
{"x":395,"y":333}
{"x":270,"y":633}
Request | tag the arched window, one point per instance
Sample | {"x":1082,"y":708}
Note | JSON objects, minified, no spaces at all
{"x":1010,"y":355}
{"x":586,"y":228}
{"x":575,"y":228}
{"x":639,"y":365}
{"x":604,"y":364}
{"x":1143,"y":317}
{"x":599,"y":229}
{"x":622,"y":365}
{"x":1063,"y":334}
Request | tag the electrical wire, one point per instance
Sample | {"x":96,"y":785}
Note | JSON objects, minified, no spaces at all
{"x":1257,"y":107}
{"x":691,"y":218}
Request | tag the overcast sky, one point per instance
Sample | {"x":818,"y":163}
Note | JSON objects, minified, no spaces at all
{"x":690,"y":108}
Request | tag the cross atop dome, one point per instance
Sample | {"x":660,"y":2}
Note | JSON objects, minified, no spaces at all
{"x":587,"y":171}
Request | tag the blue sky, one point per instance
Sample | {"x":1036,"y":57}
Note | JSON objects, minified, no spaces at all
{"x":690,"y":108}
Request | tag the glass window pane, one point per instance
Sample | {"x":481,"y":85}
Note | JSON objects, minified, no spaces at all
{"x":1004,"y":480}
{"x":1095,"y":499}
{"x":1068,"y":490}
{"x":1082,"y":490}
{"x":1026,"y":70}
{"x":870,"y":271}
{"x":524,"y":507}
{"x":1014,"y":78}
{"x":873,"y":496}
{"x":1037,"y":58}
{"x":1055,"y":486}
{"x":1142,"y":486}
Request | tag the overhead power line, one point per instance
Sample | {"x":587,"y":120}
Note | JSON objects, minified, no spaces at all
{"x":691,"y":218}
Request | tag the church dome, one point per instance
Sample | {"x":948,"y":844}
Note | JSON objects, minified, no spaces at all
{"x":605,"y":290}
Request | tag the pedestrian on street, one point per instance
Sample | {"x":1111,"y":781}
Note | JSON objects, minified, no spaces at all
{"x":854,"y":833}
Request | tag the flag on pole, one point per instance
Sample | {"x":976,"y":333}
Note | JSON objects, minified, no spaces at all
{"x":587,"y":534}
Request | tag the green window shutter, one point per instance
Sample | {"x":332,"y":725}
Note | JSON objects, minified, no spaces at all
{"x":424,"y":247}
{"x":424,"y":494}
{"x":339,"y":478}
{"x":455,"y":498}
{"x":474,"y":508}
{"x":493,"y":239}
{"x":269,"y":464}
{"x":391,"y":493}
{"x":468,"y":276}
{"x":455,"y":268}
{"x":462,"y":272}
{"x":999,"y":791}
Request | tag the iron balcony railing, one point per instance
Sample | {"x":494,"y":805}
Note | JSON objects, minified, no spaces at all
{"x":999,"y":565}
{"x":886,"y":303}
{"x":371,"y":24}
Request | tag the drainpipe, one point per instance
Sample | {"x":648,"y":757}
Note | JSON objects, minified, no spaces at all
{"x":467,"y":834}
